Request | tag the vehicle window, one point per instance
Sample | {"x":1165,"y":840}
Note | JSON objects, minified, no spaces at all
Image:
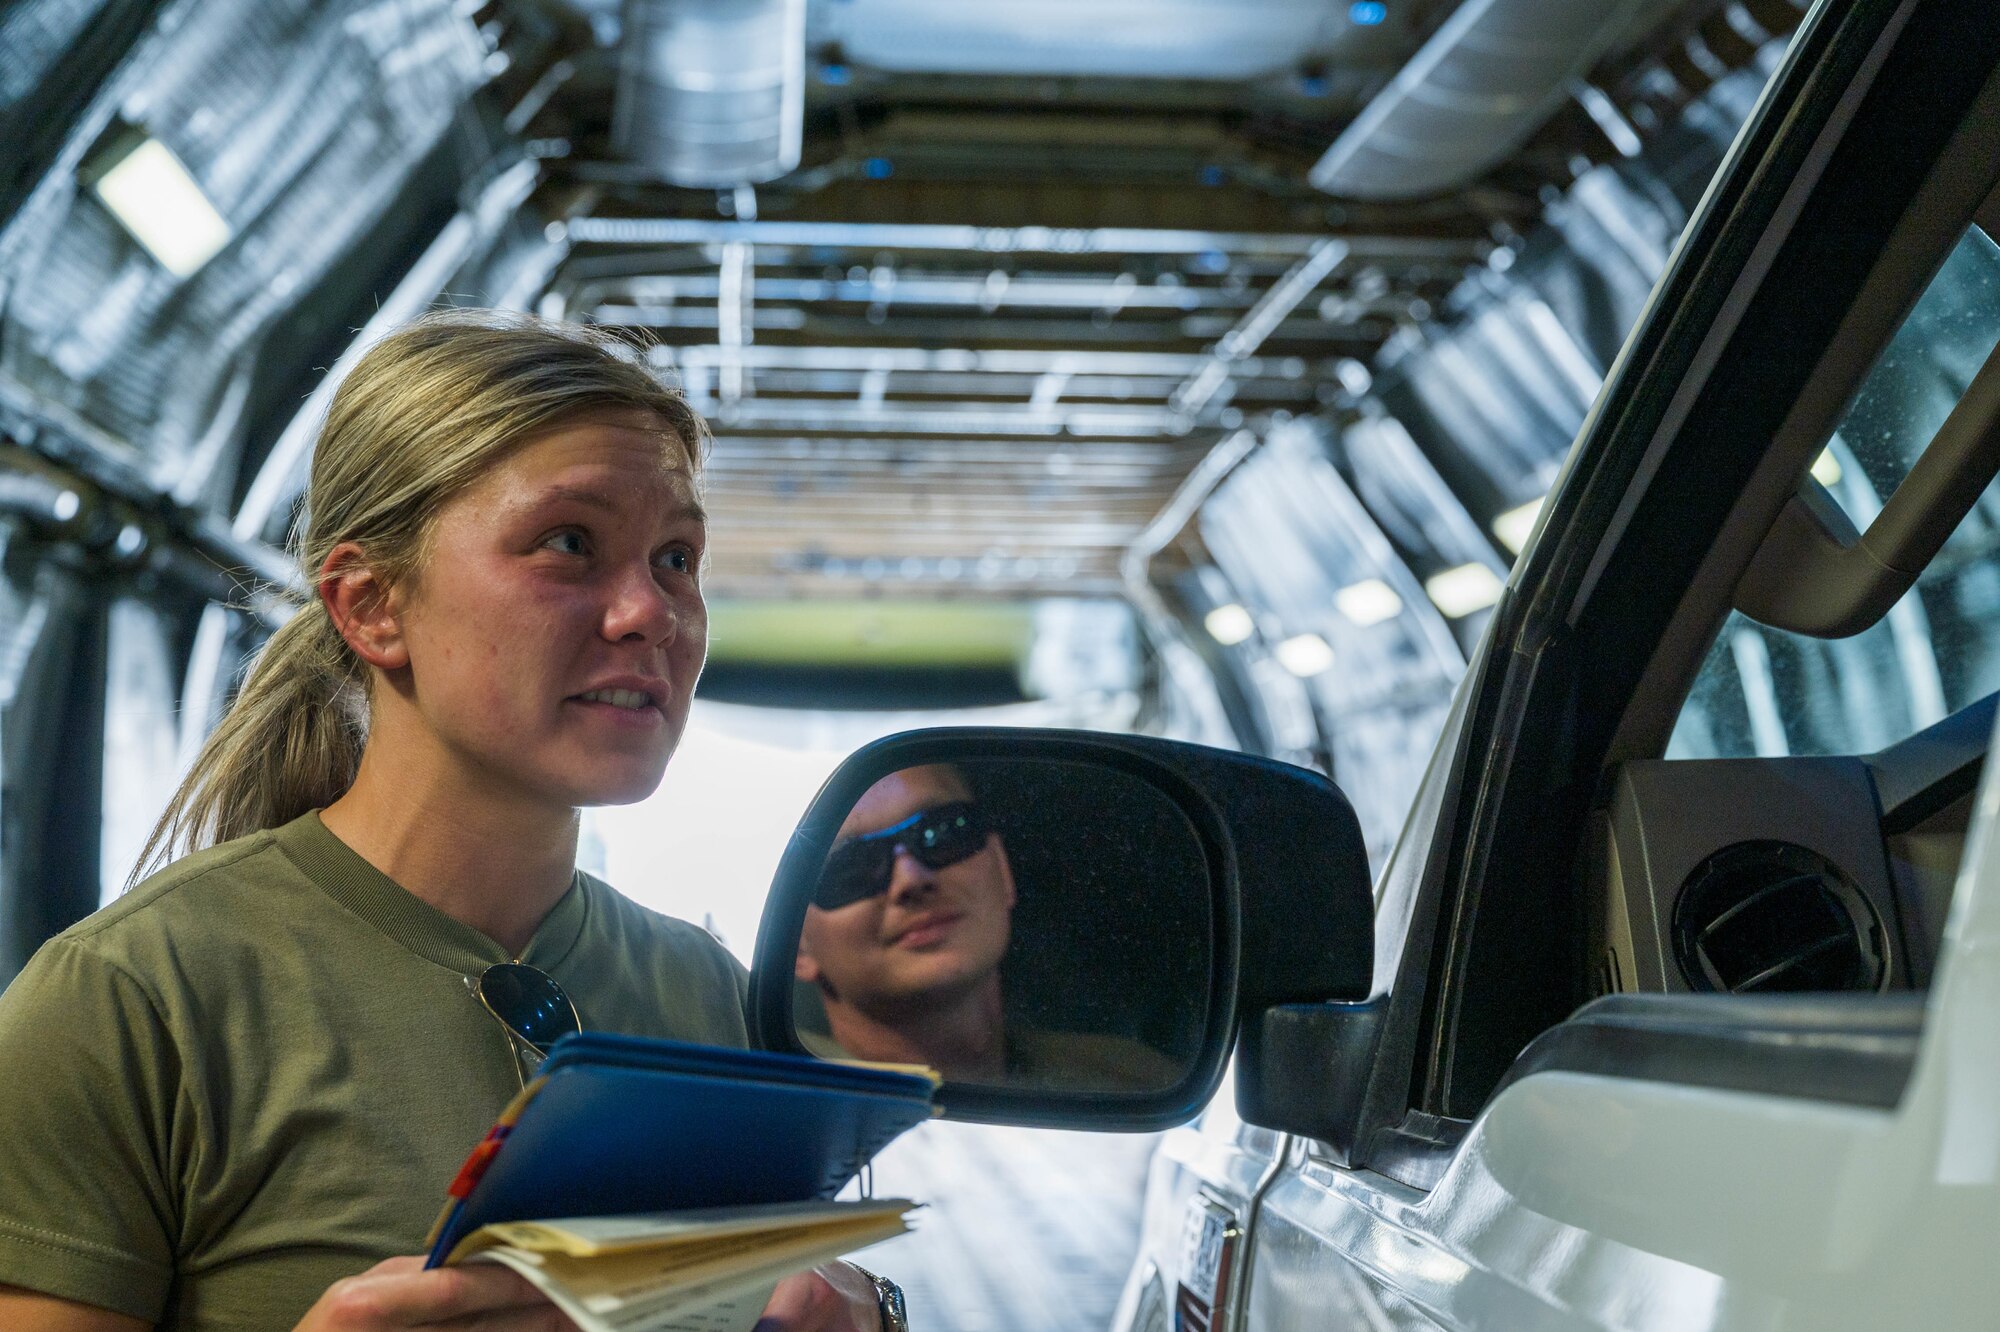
{"x":1920,"y":378}
{"x":1766,"y":692}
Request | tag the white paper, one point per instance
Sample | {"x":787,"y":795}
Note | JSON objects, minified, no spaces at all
{"x":715,"y":1307}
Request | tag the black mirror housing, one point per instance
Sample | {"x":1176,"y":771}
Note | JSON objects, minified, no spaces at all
{"x":1289,"y":901}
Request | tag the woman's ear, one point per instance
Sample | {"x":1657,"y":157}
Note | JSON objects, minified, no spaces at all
{"x":362,"y":610}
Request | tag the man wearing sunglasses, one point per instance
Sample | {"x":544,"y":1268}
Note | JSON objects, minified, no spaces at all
{"x":904,"y":938}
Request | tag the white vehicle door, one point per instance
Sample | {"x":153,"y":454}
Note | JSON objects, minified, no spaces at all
{"x":1703,"y":1042}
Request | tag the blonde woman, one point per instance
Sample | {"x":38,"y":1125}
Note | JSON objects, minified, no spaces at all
{"x":229,"y":1098}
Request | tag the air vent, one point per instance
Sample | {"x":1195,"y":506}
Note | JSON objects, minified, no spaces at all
{"x":1771,"y":916}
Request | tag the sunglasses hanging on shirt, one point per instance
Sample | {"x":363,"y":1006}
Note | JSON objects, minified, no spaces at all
{"x":530,"y":1005}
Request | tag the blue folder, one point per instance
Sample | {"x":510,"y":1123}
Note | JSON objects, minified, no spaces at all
{"x":621,"y":1124}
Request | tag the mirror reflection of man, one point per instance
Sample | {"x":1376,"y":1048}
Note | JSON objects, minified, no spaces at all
{"x":904,"y":939}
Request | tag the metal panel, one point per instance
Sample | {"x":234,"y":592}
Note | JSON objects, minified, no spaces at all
{"x":1005,"y":240}
{"x":53,"y":766}
{"x":302,"y":123}
{"x":1480,"y":86}
{"x":1287,"y":532}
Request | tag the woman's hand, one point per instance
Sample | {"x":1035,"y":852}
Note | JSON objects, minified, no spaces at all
{"x":834,"y":1298}
{"x":400,"y":1294}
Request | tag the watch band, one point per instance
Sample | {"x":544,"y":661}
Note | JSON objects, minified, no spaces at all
{"x":889,"y":1299}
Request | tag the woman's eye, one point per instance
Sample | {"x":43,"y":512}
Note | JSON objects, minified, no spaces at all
{"x":569,"y":542}
{"x":680,"y":559}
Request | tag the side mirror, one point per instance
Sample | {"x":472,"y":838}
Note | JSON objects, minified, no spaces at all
{"x":1069,"y":926}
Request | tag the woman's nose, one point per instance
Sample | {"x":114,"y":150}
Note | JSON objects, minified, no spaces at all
{"x":641,"y":610}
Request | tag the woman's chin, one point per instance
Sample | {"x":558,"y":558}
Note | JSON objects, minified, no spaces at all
{"x":619,"y":788}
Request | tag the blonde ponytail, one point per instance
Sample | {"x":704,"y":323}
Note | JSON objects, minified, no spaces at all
{"x":290,"y":742}
{"x":421,"y":416}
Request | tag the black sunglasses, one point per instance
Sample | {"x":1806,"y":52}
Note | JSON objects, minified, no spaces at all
{"x":861,"y":867}
{"x":530,"y":1005}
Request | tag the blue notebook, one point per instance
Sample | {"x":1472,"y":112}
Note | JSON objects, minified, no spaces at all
{"x":621,"y":1124}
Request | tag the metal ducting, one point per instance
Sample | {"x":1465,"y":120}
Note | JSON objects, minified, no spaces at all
{"x":1485,"y":81}
{"x":711,"y":93}
{"x":1150,"y":39}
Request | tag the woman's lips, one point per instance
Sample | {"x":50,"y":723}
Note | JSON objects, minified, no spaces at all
{"x":927,"y":930}
{"x":641,"y":698}
{"x":644,"y":718}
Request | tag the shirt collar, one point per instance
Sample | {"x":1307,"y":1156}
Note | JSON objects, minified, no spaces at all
{"x":342,"y":874}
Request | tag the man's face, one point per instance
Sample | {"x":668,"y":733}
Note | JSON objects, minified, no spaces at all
{"x":556,"y":628}
{"x":934,"y":933}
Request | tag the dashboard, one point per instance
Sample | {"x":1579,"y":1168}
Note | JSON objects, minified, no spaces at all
{"x":1776,"y":875}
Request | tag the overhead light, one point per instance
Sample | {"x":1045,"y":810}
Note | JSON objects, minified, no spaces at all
{"x":1369,"y":601}
{"x":1515,"y":526}
{"x":1305,"y":655}
{"x":1229,"y":625}
{"x":158,"y":202}
{"x":1461,"y":591}
{"x":1826,"y":469}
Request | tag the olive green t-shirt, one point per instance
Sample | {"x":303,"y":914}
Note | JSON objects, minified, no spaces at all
{"x":258,"y":1072}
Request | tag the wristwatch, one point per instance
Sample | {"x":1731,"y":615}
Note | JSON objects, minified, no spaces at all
{"x":889,"y":1299}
